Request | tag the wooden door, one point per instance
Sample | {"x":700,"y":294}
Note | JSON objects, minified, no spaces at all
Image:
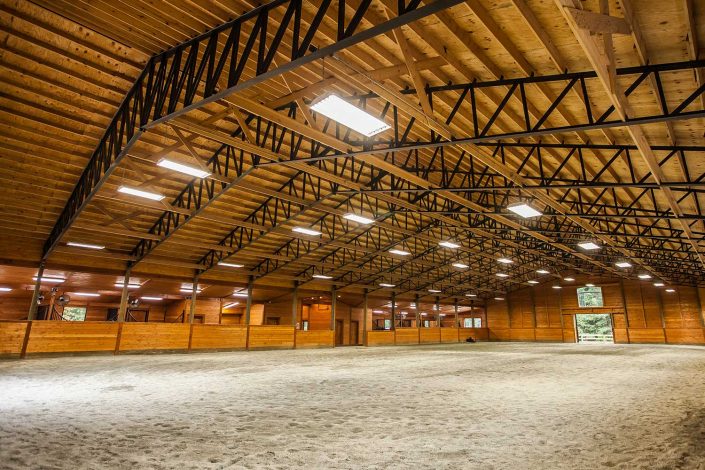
{"x":354,"y":332}
{"x":339,"y":332}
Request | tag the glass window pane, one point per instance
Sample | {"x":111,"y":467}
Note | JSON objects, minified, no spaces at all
{"x":467,"y":323}
{"x":74,"y":313}
{"x":477,"y":322}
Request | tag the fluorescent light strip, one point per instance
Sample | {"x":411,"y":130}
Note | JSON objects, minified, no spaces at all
{"x":239,"y":294}
{"x":399,"y":252}
{"x":322,"y":276}
{"x":147,"y":297}
{"x":557,"y":287}
{"x":670,"y":290}
{"x":659,"y":284}
{"x":542,"y":271}
{"x":532,"y":281}
{"x":5,"y":289}
{"x":190,"y":290}
{"x":140,"y":193}
{"x":377,"y":311}
{"x":460,"y":265}
{"x":470,"y":295}
{"x":449,"y":244}
{"x":231,"y":305}
{"x":384,"y":284}
{"x":56,"y":280}
{"x":502,"y":275}
{"x":623,"y":264}
{"x":339,"y":110}
{"x":86,"y":294}
{"x":181,"y":168}
{"x":435,"y":291}
{"x":524,"y":210}
{"x":86,"y":245}
{"x":644,"y":276}
{"x":358,"y":218}
{"x":306,"y":231}
{"x":589,"y":285}
{"x":230,"y":265}
{"x":569,"y":279}
{"x":499,"y":298}
{"x":505,"y":260}
{"x":129,"y":286}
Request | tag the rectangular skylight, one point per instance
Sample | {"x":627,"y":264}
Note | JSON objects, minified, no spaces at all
{"x":140,"y":193}
{"x":181,"y":168}
{"x":589,"y":246}
{"x":322,"y":276}
{"x":399,"y":252}
{"x":623,"y":264}
{"x":524,"y":210}
{"x":358,"y":218}
{"x":460,"y":265}
{"x":230,"y":265}
{"x":448,"y":244}
{"x":86,"y":245}
{"x":339,"y":110}
{"x":306,"y":231}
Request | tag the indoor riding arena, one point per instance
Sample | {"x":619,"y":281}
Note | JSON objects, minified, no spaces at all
{"x":342,"y":234}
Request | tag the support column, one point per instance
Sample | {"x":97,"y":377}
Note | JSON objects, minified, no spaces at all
{"x":455,"y":306}
{"x":418,"y":311}
{"x":364,"y":318}
{"x":394,"y":311}
{"x":32,"y":314}
{"x":333,"y":299}
{"x":295,"y":305}
{"x":122,"y":310}
{"x":194,"y":295}
{"x":248,"y":305}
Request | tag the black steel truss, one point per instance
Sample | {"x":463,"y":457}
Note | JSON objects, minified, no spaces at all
{"x":231,"y":57}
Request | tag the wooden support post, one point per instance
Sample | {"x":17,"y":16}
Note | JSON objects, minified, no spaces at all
{"x":122,"y":310}
{"x":364,"y":318}
{"x":295,"y":305}
{"x":194,"y":296}
{"x":332,"y":308}
{"x":455,"y":306}
{"x":394,"y":311}
{"x":32,"y":314}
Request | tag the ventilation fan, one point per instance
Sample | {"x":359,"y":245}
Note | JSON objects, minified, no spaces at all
{"x":63,"y":300}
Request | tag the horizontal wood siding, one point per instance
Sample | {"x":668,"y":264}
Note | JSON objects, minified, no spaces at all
{"x":478,"y":334}
{"x":12,"y":335}
{"x":548,"y":334}
{"x":429,"y":335}
{"x":647,"y":335}
{"x":315,"y":339}
{"x":69,"y":337}
{"x":218,"y":337}
{"x":685,"y":336}
{"x":271,"y":337}
{"x":154,"y":336}
{"x":407,"y":335}
{"x":449,"y":335}
{"x":380,"y":338}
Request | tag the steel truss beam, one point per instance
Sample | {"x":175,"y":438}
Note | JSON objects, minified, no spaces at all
{"x":212,"y":66}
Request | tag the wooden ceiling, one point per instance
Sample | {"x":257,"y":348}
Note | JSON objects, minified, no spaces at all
{"x":635,"y":190}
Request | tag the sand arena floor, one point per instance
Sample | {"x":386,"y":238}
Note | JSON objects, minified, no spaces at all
{"x":489,"y":406}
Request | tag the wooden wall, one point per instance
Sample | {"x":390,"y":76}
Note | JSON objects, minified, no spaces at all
{"x":640,"y":313}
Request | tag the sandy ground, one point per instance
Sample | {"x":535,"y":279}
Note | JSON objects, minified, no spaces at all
{"x":489,"y":406}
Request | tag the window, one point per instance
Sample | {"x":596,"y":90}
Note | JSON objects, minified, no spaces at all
{"x":467,"y":323}
{"x":74,"y":313}
{"x":590,"y":297}
{"x":477,"y":322}
{"x":387,"y":324}
{"x":305,"y":325}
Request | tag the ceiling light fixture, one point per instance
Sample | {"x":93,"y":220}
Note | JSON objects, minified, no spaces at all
{"x":449,"y":244}
{"x":120,"y":285}
{"x":524,"y":210}
{"x":384,"y":284}
{"x":140,"y":193}
{"x":230,"y":265}
{"x":240,"y":294}
{"x":470,"y":295}
{"x":322,"y":276}
{"x":231,"y":304}
{"x":86,"y":245}
{"x":644,"y":276}
{"x":55,"y":280}
{"x":532,"y":281}
{"x":460,"y":265}
{"x":588,"y":245}
{"x":670,"y":290}
{"x":86,"y":294}
{"x":377,"y":311}
{"x":557,"y":287}
{"x":181,"y":168}
{"x":505,"y":260}
{"x":499,"y":298}
{"x":306,"y":231}
{"x":5,"y":289}
{"x":399,"y":252}
{"x":543,"y":271}
{"x":339,"y":110}
{"x":189,"y":290}
{"x":502,"y":275}
{"x":435,"y":291}
{"x":569,"y":279}
{"x":358,"y":218}
{"x":623,"y":264}
{"x":589,"y":285}
{"x":148,"y":297}
{"x":659,"y":284}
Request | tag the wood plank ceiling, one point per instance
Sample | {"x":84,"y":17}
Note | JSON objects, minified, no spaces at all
{"x":637,"y":191}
